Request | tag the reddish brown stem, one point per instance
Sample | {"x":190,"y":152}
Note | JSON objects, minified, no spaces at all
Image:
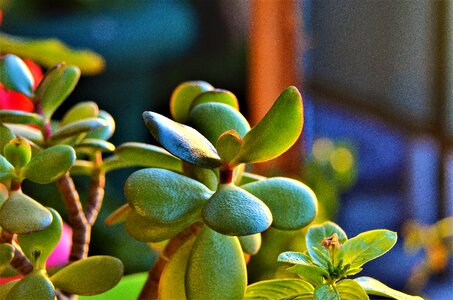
{"x":19,"y":262}
{"x":96,"y":191}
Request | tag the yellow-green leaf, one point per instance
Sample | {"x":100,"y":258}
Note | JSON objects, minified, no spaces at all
{"x":6,"y":255}
{"x":216,"y":96}
{"x":76,"y":128}
{"x":20,"y":117}
{"x":5,"y":136}
{"x":280,"y":289}
{"x":182,"y":97}
{"x":34,"y":286}
{"x":351,"y":290}
{"x":250,"y":244}
{"x":228,"y":145}
{"x":326,"y":292}
{"x":80,"y":111}
{"x":106,"y":132}
{"x":375,"y":287}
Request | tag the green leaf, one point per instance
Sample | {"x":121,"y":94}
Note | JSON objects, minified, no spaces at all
{"x":80,"y":111}
{"x":276,"y":132}
{"x":82,"y":167}
{"x":375,"y":287}
{"x":4,"y":194}
{"x":182,"y":141}
{"x":18,"y":152}
{"x":15,"y":75}
{"x":164,"y":196}
{"x":250,"y":244}
{"x":76,"y":128}
{"x":228,"y":145}
{"x":6,"y":255}
{"x":140,"y":154}
{"x":216,"y":96}
{"x":20,"y":117}
{"x":209,"y":177}
{"x":119,"y":215}
{"x":213,"y":119}
{"x":89,"y":145}
{"x":49,"y":52}
{"x":182,"y":97}
{"x":279,"y":289}
{"x":292,"y":203}
{"x":42,"y":242}
{"x":367,"y":246}
{"x":89,"y":276}
{"x":128,"y":288}
{"x":351,"y":290}
{"x":326,"y":292}
{"x":234,"y":211}
{"x":216,"y":267}
{"x":21,"y":214}
{"x":5,"y":136}
{"x":310,"y":273}
{"x":55,"y":87}
{"x":27,"y":132}
{"x":34,"y":286}
{"x":314,"y":237}
{"x":298,"y":258}
{"x":6,"y":287}
{"x":248,"y":177}
{"x":49,"y":165}
{"x":103,"y":133}
{"x":6,"y":169}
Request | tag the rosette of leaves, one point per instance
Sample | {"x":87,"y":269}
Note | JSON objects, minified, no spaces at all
{"x":323,"y":269}
{"x":201,"y":180}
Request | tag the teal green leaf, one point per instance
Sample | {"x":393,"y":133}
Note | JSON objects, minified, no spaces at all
{"x":292,"y":203}
{"x":314,"y":237}
{"x":6,"y":255}
{"x":5,"y":136}
{"x":35,"y":286}
{"x":20,"y":117}
{"x":6,"y":287}
{"x":15,"y":75}
{"x":6,"y":169}
{"x":76,"y":128}
{"x":182,"y":97}
{"x":326,"y":292}
{"x":164,"y":196}
{"x":213,"y":119}
{"x":209,"y":177}
{"x":216,"y":267}
{"x":27,"y":132}
{"x":367,"y":246}
{"x":80,"y":111}
{"x":182,"y":141}
{"x":228,"y":145}
{"x":49,"y":165}
{"x":103,"y":133}
{"x":89,"y":276}
{"x":21,"y":214}
{"x":49,"y":52}
{"x":250,"y":244}
{"x":280,"y":289}
{"x":350,"y":290}
{"x":248,"y":177}
{"x":375,"y":287}
{"x":216,"y":96}
{"x":310,"y":273}
{"x":276,"y":132}
{"x":298,"y":258}
{"x":119,"y":215}
{"x":55,"y":87}
{"x":140,"y":154}
{"x":89,"y":145}
{"x":42,"y":242}
{"x":82,"y":167}
{"x":234,"y":211}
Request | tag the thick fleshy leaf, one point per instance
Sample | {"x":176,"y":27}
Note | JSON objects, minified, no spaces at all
{"x":18,"y":152}
{"x":6,"y":169}
{"x":326,"y":292}
{"x":82,"y":167}
{"x":119,"y":215}
{"x":213,"y":119}
{"x":228,"y":145}
{"x":27,"y":132}
{"x":172,"y":280}
{"x":21,"y":214}
{"x":351,"y":290}
{"x":20,"y":117}
{"x":216,"y":96}
{"x":310,"y":273}
{"x":80,"y":111}
{"x":6,"y":255}
{"x":292,"y":203}
{"x":297,"y":258}
{"x":182,"y":97}
{"x":367,"y":246}
{"x":6,"y":287}
{"x":90,"y":145}
{"x":4,"y":193}
{"x":50,"y":164}
{"x":103,"y":133}
{"x":216,"y":267}
{"x":375,"y":287}
{"x":276,"y":132}
{"x":314,"y":238}
{"x":140,"y":154}
{"x":280,"y":289}
{"x":250,"y":244}
{"x":76,"y":128}
{"x":182,"y":141}
{"x":42,"y":242}
{"x":5,"y":136}
{"x":55,"y":87}
{"x":234,"y":211}
{"x":89,"y":276}
{"x":15,"y":75}
{"x":209,"y":177}
{"x":35,"y":286}
{"x":248,"y":177}
{"x":164,"y":196}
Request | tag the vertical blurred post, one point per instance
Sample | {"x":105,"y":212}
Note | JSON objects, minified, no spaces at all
{"x":274,"y":64}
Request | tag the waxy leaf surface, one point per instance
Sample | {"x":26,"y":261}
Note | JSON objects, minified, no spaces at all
{"x":106,"y":132}
{"x":6,"y":169}
{"x":34,"y":286}
{"x":80,"y":111}
{"x":76,"y":128}
{"x":27,"y":132}
{"x":351,"y":290}
{"x":375,"y":287}
{"x":216,"y":96}
{"x":182,"y":97}
{"x":20,"y":117}
{"x":279,"y":289}
{"x":15,"y":75}
{"x":90,"y":145}
{"x":250,"y":244}
{"x":228,"y":145}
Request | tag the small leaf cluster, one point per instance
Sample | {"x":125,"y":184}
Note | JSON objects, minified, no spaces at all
{"x":323,"y":269}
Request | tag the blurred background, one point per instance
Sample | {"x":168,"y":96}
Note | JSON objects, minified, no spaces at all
{"x":376,"y":78}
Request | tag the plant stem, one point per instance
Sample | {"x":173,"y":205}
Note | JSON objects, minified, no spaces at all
{"x":19,"y":262}
{"x":149,"y":291}
{"x":96,"y":195}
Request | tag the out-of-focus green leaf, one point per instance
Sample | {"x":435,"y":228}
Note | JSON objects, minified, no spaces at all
{"x":326,"y":292}
{"x":80,"y":111}
{"x":214,"y":251}
{"x":119,"y":215}
{"x":21,"y":214}
{"x":76,"y":128}
{"x":298,"y":258}
{"x":82,"y":167}
{"x":49,"y":52}
{"x":182,"y":98}
{"x":351,"y":290}
{"x":310,"y":273}
{"x":164,"y":196}
{"x":89,"y":276}
{"x":42,"y":242}
{"x":4,"y":194}
{"x":20,"y":117}
{"x":182,"y":141}
{"x":209,"y":177}
{"x":234,"y":211}
{"x":292,"y":203}
{"x":50,"y":164}
{"x":375,"y":287}
{"x":6,"y":169}
{"x":90,"y":145}
{"x":250,"y":244}
{"x":103,"y":133}
{"x":6,"y":287}
{"x":216,"y":96}
{"x":128,"y":288}
{"x":6,"y":255}
{"x":15,"y":75}
{"x":5,"y":136}
{"x":27,"y":132}
{"x":228,"y":145}
{"x":280,"y":289}
{"x":55,"y":87}
{"x":276,"y":132}
{"x":18,"y":152}
{"x":367,"y":246}
{"x":34,"y":286}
